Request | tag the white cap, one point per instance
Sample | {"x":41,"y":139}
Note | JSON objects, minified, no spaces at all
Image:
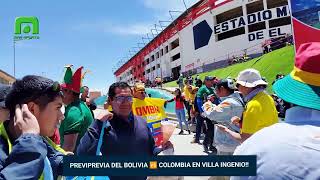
{"x":250,"y":78}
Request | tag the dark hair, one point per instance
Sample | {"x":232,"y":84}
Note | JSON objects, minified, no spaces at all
{"x":112,"y":88}
{"x":85,"y":87}
{"x":179,"y":96}
{"x":278,"y":76}
{"x":39,"y":89}
{"x":224,"y":83}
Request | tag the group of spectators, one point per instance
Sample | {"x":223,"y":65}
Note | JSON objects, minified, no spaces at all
{"x":243,"y":119}
{"x":31,"y":114}
{"x":240,"y":117}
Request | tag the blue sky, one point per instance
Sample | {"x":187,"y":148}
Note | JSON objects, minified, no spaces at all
{"x":304,"y":4}
{"x":93,"y":34}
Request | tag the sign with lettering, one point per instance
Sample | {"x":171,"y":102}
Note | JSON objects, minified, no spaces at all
{"x":253,"y":18}
{"x":152,"y":110}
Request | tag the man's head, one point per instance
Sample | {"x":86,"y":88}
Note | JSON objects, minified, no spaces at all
{"x":248,"y":80}
{"x":85,"y":93}
{"x":69,"y":96}
{"x":186,"y":82}
{"x":120,"y":98}
{"x":4,"y":112}
{"x":177,"y":92}
{"x":44,"y":100}
{"x":189,"y":88}
{"x":225,"y":87}
{"x":139,"y":91}
{"x":209,"y":81}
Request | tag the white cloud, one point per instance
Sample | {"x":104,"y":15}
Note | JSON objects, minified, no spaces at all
{"x":161,"y":7}
{"x":133,"y":29}
{"x":118,"y":29}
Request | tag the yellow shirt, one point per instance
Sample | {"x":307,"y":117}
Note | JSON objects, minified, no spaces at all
{"x":260,"y":112}
{"x":187,"y":95}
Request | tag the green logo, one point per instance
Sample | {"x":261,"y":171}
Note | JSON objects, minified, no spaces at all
{"x":24,"y":25}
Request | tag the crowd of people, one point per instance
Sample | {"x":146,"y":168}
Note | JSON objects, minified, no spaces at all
{"x":237,"y":117}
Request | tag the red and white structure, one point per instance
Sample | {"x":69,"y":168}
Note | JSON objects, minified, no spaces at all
{"x":206,"y":36}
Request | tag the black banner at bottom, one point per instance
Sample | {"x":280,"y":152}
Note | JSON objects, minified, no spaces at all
{"x":160,"y":166}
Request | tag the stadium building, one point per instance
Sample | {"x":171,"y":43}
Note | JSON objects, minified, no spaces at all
{"x":209,"y":35}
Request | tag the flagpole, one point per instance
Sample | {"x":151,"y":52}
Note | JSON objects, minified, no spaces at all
{"x":14,"y":58}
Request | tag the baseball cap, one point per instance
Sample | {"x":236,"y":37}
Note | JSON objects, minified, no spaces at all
{"x":209,"y":78}
{"x":139,"y":87}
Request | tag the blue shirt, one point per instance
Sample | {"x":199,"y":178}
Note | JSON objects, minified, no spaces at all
{"x":289,"y":150}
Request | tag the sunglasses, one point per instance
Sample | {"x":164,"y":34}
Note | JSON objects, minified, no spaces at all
{"x":122,"y":99}
{"x":142,"y":92}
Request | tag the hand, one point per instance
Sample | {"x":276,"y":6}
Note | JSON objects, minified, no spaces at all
{"x":222,"y":128}
{"x":25,"y":121}
{"x":88,"y":101}
{"x":104,"y":115}
{"x":167,"y":145}
{"x":235,"y":120}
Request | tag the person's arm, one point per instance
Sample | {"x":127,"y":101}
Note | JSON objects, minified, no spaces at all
{"x":25,"y":160}
{"x":70,"y":141}
{"x":89,"y":142}
{"x":219,"y":112}
{"x":199,"y":104}
{"x":72,"y":125}
{"x":171,"y":100}
{"x":241,"y":137}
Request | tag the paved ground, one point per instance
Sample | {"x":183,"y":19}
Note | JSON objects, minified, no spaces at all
{"x":183,"y":146}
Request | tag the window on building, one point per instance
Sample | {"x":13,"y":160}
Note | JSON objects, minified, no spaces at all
{"x":166,"y":49}
{"x":255,"y":7}
{"x":257,"y":26}
{"x":228,"y":15}
{"x":147,"y":61}
{"x":232,"y":33}
{"x":175,"y":57}
{"x":158,"y":66}
{"x":152,"y":58}
{"x":144,"y":73}
{"x":157,"y":55}
{"x":276,"y":3}
{"x":280,"y":22}
{"x":153,"y":68}
{"x":174,"y":44}
{"x":161,"y":52}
